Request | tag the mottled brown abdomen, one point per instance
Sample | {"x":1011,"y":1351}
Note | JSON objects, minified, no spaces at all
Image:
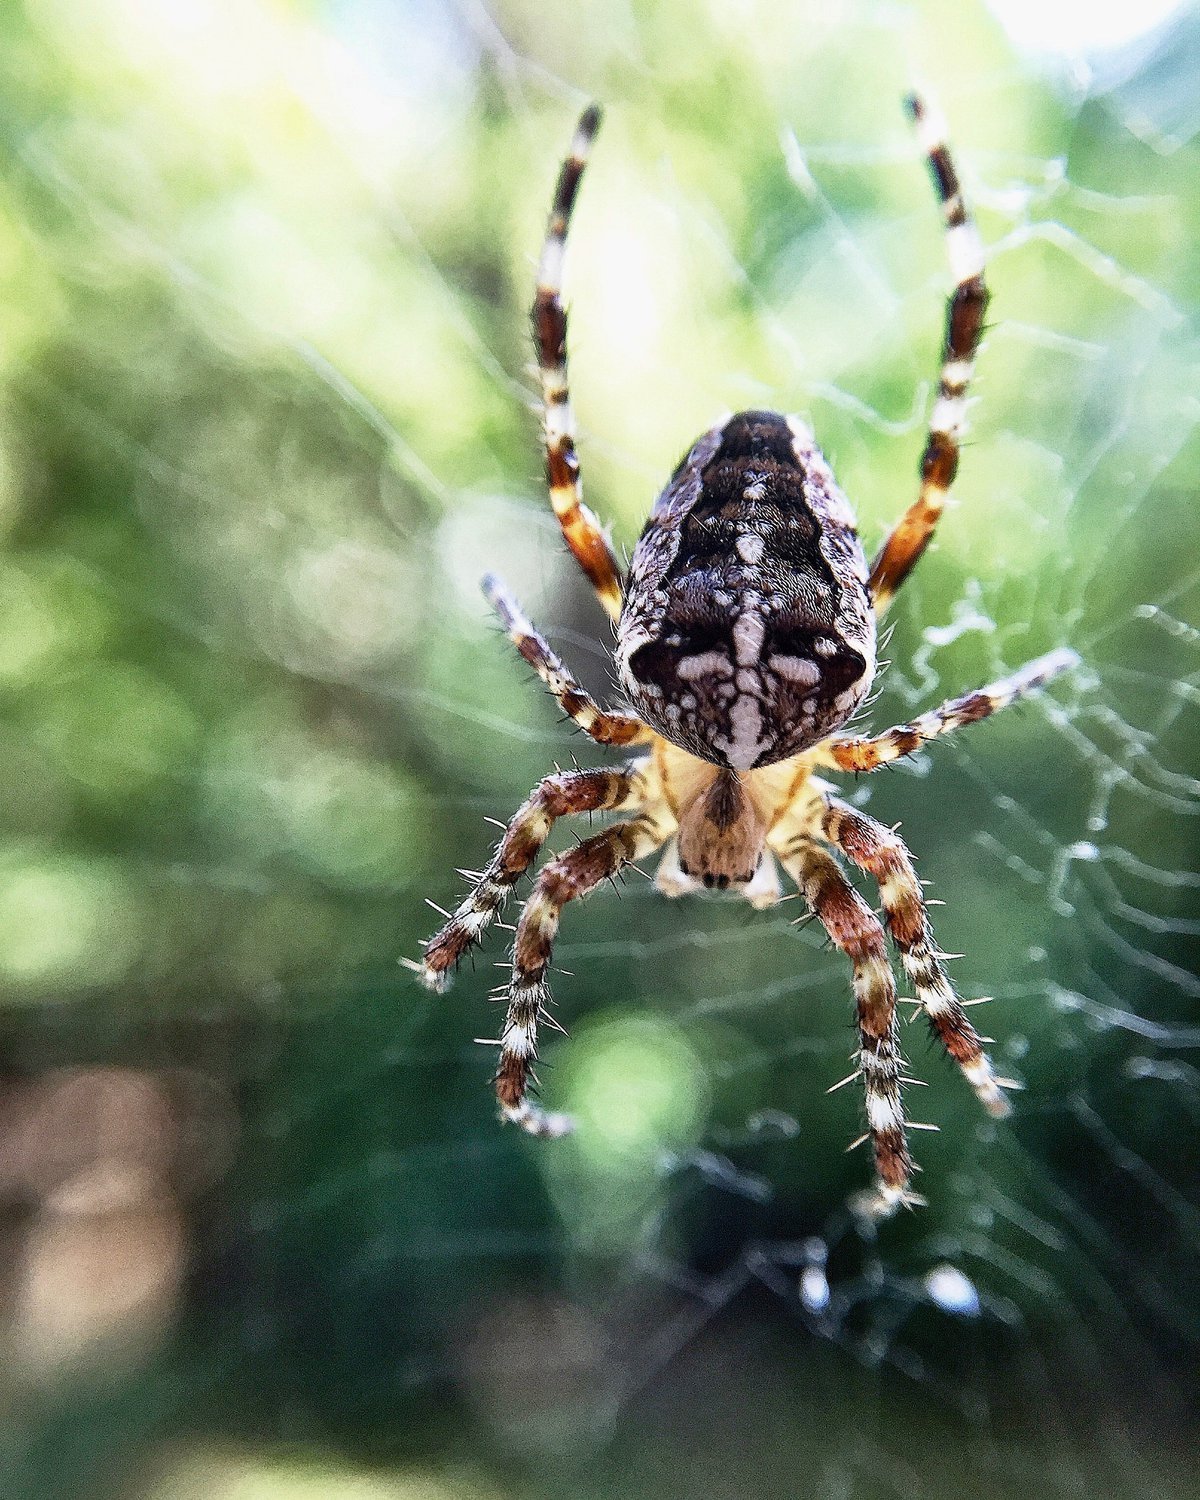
{"x":747,"y":633}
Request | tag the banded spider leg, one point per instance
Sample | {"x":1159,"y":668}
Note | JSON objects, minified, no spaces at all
{"x":869,"y":752}
{"x":581,"y":530}
{"x":568,"y":878}
{"x":855,"y":929}
{"x":910,"y":536}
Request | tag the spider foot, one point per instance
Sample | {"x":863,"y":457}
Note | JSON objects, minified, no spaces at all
{"x":882,"y":1201}
{"x":534,"y":1120}
{"x":436,"y":980}
{"x":989,"y":1089}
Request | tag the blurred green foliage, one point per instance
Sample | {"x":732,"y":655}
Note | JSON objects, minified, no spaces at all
{"x":264,"y":276}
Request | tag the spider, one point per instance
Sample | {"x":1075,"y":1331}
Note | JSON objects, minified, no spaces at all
{"x":745,"y":642}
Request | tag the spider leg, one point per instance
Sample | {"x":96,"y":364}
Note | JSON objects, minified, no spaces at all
{"x":581,"y":530}
{"x":872,"y":751}
{"x":604,"y":728}
{"x":964,"y":328}
{"x":567,"y":878}
{"x":557,"y":796}
{"x":883,"y":855}
{"x":856,"y":930}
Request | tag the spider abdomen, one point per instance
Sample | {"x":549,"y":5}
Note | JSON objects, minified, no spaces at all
{"x":747,"y":632}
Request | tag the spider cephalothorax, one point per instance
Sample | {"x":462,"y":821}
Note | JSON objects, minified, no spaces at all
{"x":746,"y":633}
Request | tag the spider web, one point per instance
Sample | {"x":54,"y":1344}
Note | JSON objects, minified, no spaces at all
{"x":266,"y":425}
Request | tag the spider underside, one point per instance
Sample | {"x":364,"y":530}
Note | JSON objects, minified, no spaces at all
{"x":746,"y":639}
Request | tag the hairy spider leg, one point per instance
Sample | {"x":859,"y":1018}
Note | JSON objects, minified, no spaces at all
{"x":568,"y":878}
{"x":964,"y":330}
{"x":564,"y":793}
{"x":605,"y":728}
{"x":882,"y":855}
{"x":855,"y":929}
{"x":870,"y":752}
{"x":582,"y":531}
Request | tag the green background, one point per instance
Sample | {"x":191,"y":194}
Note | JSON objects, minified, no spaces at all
{"x":264,"y":420}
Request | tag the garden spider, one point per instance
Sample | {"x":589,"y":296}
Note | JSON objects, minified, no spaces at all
{"x":746,"y":639}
